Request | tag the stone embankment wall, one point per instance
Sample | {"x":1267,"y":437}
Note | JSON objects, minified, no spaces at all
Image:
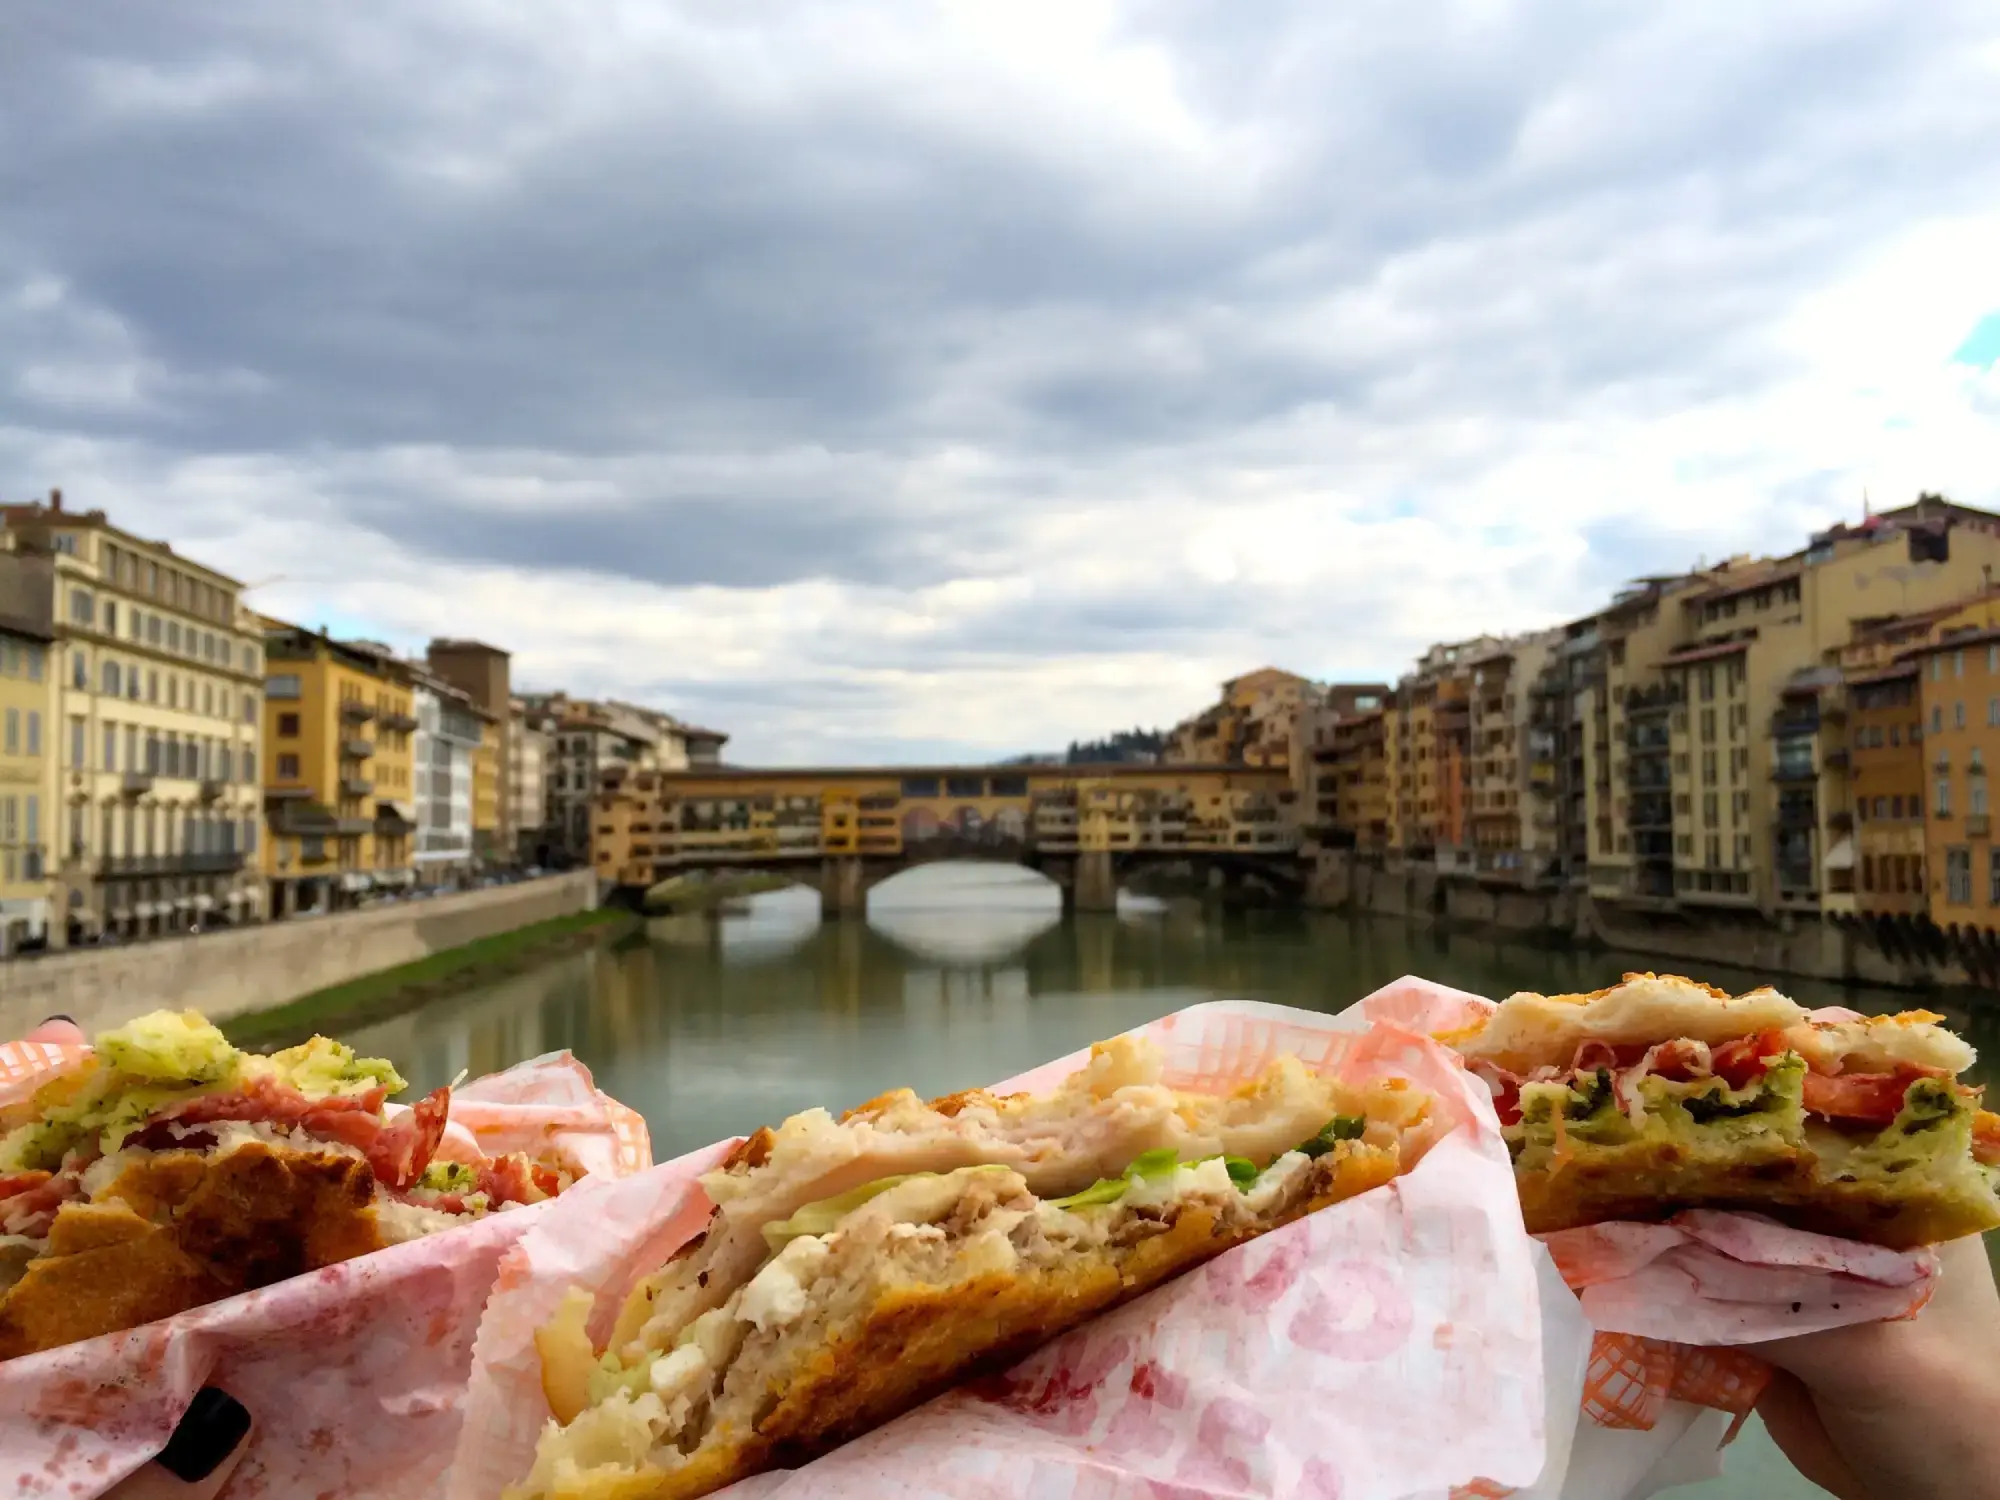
{"x":1804,"y":946}
{"x":223,"y":974}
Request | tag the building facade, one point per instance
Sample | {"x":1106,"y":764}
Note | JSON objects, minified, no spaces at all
{"x":484,"y":674}
{"x":444,"y":747}
{"x":341,"y":773}
{"x":530,"y":740}
{"x":154,"y":731}
{"x":27,"y":769}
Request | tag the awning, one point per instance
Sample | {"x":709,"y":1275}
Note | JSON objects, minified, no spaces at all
{"x":235,"y":897}
{"x":204,"y":902}
{"x":1840,"y":856}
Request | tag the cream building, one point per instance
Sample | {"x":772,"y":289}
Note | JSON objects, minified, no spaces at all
{"x":528,"y":746}
{"x":27,"y":699}
{"x":158,"y":688}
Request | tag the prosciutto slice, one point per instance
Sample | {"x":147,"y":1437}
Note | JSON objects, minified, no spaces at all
{"x":397,"y":1150}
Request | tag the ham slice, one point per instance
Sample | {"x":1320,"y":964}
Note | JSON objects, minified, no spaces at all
{"x":398,"y":1151}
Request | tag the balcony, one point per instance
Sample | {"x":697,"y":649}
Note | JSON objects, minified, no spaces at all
{"x":1835,"y":760}
{"x":1978,"y":825}
{"x":354,"y":711}
{"x":349,"y":828}
{"x":1791,"y":721}
{"x":1787,"y":769}
{"x":399,"y":723}
{"x":135,"y":783}
{"x":211,"y":787}
{"x":356,"y":786}
{"x":356,"y":749}
{"x":142,"y":866}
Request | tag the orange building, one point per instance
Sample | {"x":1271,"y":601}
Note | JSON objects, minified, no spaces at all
{"x":1959,"y":697}
{"x":1886,"y":778}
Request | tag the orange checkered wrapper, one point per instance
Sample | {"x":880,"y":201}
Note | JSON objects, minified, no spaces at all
{"x":355,"y":1374}
{"x":1393,"y":1345}
{"x":1670,"y":1301}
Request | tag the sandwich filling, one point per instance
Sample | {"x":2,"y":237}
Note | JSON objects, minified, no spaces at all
{"x":661,"y":1399}
{"x":170,"y":1085}
{"x":1867,"y":1101}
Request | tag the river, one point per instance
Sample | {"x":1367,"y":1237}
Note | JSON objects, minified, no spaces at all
{"x":963,"y":975}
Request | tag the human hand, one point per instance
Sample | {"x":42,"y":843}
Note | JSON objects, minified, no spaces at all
{"x":1906,"y":1410}
{"x":58,"y":1029}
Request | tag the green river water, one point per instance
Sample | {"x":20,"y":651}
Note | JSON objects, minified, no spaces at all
{"x":963,"y":975}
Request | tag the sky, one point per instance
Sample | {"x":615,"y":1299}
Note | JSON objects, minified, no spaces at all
{"x":890,"y":382}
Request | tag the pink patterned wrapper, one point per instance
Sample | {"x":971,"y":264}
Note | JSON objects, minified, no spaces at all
{"x":1389,"y":1346}
{"x":354,"y":1374}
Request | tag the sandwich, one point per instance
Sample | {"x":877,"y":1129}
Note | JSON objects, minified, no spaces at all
{"x":1660,"y":1094}
{"x":166,"y":1169}
{"x":853,"y":1268}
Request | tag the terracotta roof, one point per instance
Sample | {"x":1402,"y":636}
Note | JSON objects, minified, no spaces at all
{"x":1954,"y":640}
{"x":1705,"y":653}
{"x":1904,"y":667}
{"x":1728,"y":590}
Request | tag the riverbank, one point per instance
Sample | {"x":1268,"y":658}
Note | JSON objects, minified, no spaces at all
{"x":690,"y":893}
{"x":1800,"y":945}
{"x":388,"y":993}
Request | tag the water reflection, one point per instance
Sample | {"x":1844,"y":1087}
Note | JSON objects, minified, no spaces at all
{"x":717,"y":1025}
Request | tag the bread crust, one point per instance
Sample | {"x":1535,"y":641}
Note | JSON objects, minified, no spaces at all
{"x":1651,"y":1180}
{"x":918,"y":1339}
{"x":178,"y":1229}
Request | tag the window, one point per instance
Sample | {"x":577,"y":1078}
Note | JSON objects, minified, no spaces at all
{"x":1993,"y":876}
{"x":13,"y":741}
{"x":1958,"y":714}
{"x":152,"y":685}
{"x":284,"y":685}
{"x":965,"y":786}
{"x":920,"y":786}
{"x":153,"y":579}
{"x":250,"y":660}
{"x":1742,"y":804}
{"x":249,"y":708}
{"x":1958,"y":665}
{"x":1895,"y":734}
{"x":34,"y":818}
{"x":1941,"y":803}
{"x":110,"y":747}
{"x":173,"y":635}
{"x":1861,"y":810}
{"x":207,"y":699}
{"x":1993,"y":658}
{"x":79,"y":749}
{"x":288,"y":768}
{"x":1708,"y":814}
{"x":1993,"y":713}
{"x":1975,"y":797}
{"x":110,"y":617}
{"x":34,"y":732}
{"x":1958,"y":876}
{"x":154,"y":627}
{"x":79,"y":670}
{"x":288,"y":726}
{"x":173,"y":691}
{"x":1937,"y":669}
{"x":131,"y":747}
{"x":82,"y":607}
{"x":1868,"y":872}
{"x":249,"y":765}
{"x":152,"y":755}
{"x":1937,"y":718}
{"x":112,"y":685}
{"x":1973,"y":762}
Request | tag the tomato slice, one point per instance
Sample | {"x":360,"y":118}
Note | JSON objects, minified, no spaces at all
{"x":21,"y":1182}
{"x":1874,"y":1098}
{"x":1986,"y":1138}
{"x":1742,"y":1061}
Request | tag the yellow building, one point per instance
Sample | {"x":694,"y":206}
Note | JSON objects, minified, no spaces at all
{"x":154,"y":730}
{"x":27,"y":701}
{"x":340,"y":780}
{"x":489,"y":790}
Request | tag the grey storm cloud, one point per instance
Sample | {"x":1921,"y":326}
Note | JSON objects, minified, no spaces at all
{"x":816,"y":290}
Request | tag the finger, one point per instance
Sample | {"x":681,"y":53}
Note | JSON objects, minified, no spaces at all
{"x":1795,"y":1426}
{"x":201,"y":1456}
{"x":60,"y":1030}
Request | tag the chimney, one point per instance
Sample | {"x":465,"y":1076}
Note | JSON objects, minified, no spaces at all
{"x":55,"y":500}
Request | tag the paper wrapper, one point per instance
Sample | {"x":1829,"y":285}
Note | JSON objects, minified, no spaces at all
{"x":1668,"y":1300}
{"x":1390,"y":1346}
{"x":355,"y":1374}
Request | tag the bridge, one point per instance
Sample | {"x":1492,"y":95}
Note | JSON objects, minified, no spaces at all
{"x":846,"y":830}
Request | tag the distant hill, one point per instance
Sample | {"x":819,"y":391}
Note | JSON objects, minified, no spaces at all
{"x":1141,"y":745}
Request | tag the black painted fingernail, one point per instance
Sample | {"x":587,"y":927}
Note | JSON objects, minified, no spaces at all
{"x":214,"y":1424}
{"x":58,"y":1016}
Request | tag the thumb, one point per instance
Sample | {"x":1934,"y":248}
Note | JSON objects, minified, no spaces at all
{"x":1796,"y":1427}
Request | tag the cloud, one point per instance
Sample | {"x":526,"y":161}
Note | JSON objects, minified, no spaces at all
{"x":876,"y":381}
